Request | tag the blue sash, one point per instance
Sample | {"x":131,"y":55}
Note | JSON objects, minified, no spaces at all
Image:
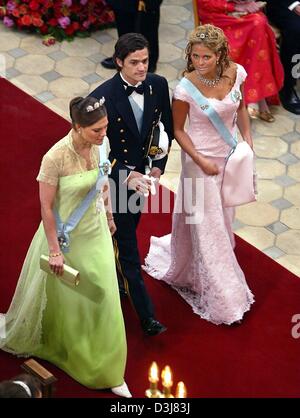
{"x":210,"y":112}
{"x":64,"y":229}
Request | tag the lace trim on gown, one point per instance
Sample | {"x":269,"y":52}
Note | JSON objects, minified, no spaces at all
{"x":23,"y":321}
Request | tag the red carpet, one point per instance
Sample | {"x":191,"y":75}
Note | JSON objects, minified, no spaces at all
{"x":258,"y":358}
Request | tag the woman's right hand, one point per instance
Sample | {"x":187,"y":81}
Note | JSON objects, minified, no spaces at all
{"x":208,"y":166}
{"x":56,"y":263}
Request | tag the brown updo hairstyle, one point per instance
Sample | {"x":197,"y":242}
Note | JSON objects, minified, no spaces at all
{"x":79,"y":111}
{"x":212,"y":38}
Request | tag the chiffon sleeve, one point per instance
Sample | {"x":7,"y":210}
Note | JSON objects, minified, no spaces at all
{"x":49,"y":172}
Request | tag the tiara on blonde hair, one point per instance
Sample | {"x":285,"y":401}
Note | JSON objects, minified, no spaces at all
{"x":205,"y":32}
{"x":200,"y":36}
{"x":91,"y":108}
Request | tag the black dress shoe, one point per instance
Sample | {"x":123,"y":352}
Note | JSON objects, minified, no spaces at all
{"x":152,"y":327}
{"x":290,"y":100}
{"x":108,"y":63}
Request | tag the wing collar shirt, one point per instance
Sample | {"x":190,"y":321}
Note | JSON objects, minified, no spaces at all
{"x":138,"y":98}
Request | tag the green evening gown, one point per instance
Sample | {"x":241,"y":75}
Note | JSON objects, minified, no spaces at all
{"x":82,"y":327}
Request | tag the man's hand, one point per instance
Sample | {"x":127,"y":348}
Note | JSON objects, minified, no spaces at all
{"x":137,"y":182}
{"x":155,"y":172}
{"x":297,"y":10}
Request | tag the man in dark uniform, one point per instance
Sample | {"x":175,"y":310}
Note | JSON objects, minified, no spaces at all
{"x":137,"y":16}
{"x":135,"y":102}
{"x":285,"y":14}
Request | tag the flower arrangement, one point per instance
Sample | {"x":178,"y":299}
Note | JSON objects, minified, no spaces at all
{"x":56,"y":20}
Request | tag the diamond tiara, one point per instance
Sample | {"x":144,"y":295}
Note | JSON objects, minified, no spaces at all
{"x":194,"y":37}
{"x":91,"y":108}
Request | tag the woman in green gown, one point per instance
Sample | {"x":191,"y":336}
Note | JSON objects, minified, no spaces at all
{"x":80,"y":329}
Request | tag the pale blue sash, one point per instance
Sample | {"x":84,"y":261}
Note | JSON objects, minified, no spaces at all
{"x":64,"y":229}
{"x":210,"y":112}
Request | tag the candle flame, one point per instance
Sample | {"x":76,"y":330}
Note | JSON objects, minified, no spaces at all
{"x":153,"y":373}
{"x":180,"y":390}
{"x":167,"y":377}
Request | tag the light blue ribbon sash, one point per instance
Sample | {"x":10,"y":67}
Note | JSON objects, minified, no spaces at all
{"x":64,"y":228}
{"x":210,"y":112}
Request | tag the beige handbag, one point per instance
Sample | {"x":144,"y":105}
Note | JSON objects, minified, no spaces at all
{"x":70,"y":275}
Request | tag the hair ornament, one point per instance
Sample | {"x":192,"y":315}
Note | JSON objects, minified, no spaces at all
{"x":203,"y":35}
{"x":91,"y":108}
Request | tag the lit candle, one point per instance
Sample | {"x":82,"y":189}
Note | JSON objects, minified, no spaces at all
{"x":180,"y":390}
{"x":167,"y":382}
{"x":153,"y":378}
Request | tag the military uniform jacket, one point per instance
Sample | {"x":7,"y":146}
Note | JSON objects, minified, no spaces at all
{"x":128,"y":145}
{"x":279,"y":10}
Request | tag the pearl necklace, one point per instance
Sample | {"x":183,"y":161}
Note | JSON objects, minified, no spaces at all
{"x":208,"y":82}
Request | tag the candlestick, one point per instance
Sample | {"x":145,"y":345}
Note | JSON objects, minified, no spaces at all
{"x":153,"y":378}
{"x":167,"y":382}
{"x":180,"y":390}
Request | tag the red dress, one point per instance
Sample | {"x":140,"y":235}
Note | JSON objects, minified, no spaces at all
{"x":252,"y":44}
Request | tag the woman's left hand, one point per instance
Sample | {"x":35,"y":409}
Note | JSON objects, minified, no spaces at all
{"x":112,"y":226}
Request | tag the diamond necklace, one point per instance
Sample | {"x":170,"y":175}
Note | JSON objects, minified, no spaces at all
{"x":208,"y":82}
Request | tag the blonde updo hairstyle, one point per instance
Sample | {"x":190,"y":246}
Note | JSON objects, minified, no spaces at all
{"x":212,"y":38}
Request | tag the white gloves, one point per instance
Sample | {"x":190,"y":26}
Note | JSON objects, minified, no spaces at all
{"x":142,"y":184}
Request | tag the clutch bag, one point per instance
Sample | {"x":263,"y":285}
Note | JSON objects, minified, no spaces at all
{"x":70,"y":275}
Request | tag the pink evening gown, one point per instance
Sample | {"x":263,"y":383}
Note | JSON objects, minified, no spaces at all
{"x":197,"y":259}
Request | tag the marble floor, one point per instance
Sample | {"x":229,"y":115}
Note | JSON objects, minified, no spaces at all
{"x":59,"y":72}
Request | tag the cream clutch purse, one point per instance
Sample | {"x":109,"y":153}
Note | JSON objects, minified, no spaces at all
{"x":70,"y":275}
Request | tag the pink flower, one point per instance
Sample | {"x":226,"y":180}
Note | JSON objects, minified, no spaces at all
{"x":67,"y":3}
{"x":8,"y":22}
{"x":64,"y":21}
{"x":83,"y":2}
{"x":86,"y":24}
{"x":11,"y":5}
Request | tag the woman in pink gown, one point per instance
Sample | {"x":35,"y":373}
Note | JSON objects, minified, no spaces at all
{"x":252,"y":44}
{"x":197,"y":258}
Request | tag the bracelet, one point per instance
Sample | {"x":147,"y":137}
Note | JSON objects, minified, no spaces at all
{"x":54,"y":254}
{"x":110,"y":219}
